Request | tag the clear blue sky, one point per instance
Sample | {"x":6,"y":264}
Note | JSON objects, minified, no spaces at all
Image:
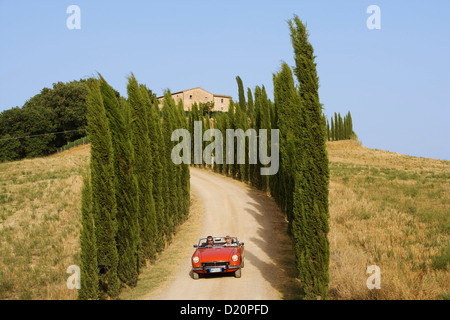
{"x":395,"y":81}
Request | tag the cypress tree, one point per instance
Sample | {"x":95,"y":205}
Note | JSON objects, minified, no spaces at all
{"x":206,"y":126}
{"x":169,"y":124}
{"x":265,"y":124}
{"x":226,"y":124}
{"x":350,"y":126}
{"x":104,"y":206}
{"x":332,"y":130}
{"x":231,"y":124}
{"x":169,"y":227}
{"x":310,"y":213}
{"x":125,"y":186}
{"x":238,"y":168}
{"x":143,"y":170}
{"x":195,"y":116}
{"x":88,"y":267}
{"x":242,"y":102}
{"x":328,"y":131}
{"x":290,"y":123}
{"x":256,"y":175}
{"x":219,"y":124}
{"x":274,"y":181}
{"x":250,"y":113}
{"x":250,"y":107}
{"x":242,"y":123}
{"x":155,"y":167}
{"x":336,"y":127}
{"x":183,"y":168}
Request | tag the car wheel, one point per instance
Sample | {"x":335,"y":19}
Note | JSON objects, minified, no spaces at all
{"x":195,"y":275}
{"x":242,"y":263}
{"x":237,"y":273}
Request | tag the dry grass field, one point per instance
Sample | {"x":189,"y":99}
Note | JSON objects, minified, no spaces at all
{"x":39,"y":224}
{"x":393,"y":211}
{"x":386,"y":209}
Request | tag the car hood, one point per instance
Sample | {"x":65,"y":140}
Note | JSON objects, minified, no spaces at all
{"x":216,"y":254}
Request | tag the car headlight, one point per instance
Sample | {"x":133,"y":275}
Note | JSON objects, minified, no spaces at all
{"x":195,"y":259}
{"x":235,"y":257}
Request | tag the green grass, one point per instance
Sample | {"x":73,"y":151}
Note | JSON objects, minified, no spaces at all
{"x":441,"y":261}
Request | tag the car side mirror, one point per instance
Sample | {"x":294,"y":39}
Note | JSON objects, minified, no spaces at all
{"x":241,"y":243}
{"x":195,"y":246}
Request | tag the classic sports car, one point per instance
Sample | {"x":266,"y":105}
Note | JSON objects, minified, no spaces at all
{"x":218,"y":256}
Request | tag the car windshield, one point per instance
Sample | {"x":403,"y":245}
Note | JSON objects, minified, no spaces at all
{"x":218,"y":242}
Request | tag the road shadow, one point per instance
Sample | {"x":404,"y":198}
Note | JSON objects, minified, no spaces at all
{"x":275,"y":242}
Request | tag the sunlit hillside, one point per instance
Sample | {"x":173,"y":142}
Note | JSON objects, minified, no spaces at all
{"x":389,"y":210}
{"x":39,"y":224}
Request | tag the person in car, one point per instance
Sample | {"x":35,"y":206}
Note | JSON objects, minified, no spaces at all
{"x":228,"y":242}
{"x":209,"y":241}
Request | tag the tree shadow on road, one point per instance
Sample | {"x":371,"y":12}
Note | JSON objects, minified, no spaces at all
{"x":274,"y":241}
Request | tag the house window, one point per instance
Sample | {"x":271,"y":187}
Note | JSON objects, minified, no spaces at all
{"x":190,"y":97}
{"x":206,"y":98}
{"x":221,"y":100}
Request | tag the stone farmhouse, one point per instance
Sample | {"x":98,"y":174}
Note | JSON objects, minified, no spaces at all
{"x":221,"y":102}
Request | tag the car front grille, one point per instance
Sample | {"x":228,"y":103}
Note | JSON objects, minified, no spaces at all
{"x":215,"y":264}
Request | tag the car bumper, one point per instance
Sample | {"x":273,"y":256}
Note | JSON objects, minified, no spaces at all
{"x":214,"y":269}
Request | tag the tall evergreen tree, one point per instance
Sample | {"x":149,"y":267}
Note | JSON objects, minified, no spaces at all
{"x":169,"y":227}
{"x":336,"y":127}
{"x":242,"y":102}
{"x":332,"y":130}
{"x":154,"y":136}
{"x":328,"y":131}
{"x":230,"y":124}
{"x":104,"y":206}
{"x":169,"y":124}
{"x":88,"y":267}
{"x":242,"y":118}
{"x":206,"y":126}
{"x":290,"y":124}
{"x":251,"y":121}
{"x":250,"y":107}
{"x":183,"y":168}
{"x":310,"y":213}
{"x":256,"y":174}
{"x":265,"y":124}
{"x":143,"y":170}
{"x":125,"y":185}
{"x":350,"y":126}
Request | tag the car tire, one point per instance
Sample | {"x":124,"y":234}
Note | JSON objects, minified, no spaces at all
{"x":195,"y":275}
{"x":237,"y":273}
{"x":242,"y":263}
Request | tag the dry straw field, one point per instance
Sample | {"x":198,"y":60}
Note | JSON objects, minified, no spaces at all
{"x":389,"y":210}
{"x":386,"y":209}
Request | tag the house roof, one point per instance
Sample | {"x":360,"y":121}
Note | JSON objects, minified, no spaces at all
{"x":178,"y":92}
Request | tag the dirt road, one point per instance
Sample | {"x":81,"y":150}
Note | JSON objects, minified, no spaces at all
{"x":232,"y":207}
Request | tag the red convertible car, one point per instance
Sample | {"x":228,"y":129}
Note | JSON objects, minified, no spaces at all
{"x":218,"y":255}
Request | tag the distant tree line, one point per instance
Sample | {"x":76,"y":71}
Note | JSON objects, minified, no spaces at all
{"x":46,"y":122}
{"x":133,"y":196}
{"x":300,"y":187}
{"x":340,"y":128}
